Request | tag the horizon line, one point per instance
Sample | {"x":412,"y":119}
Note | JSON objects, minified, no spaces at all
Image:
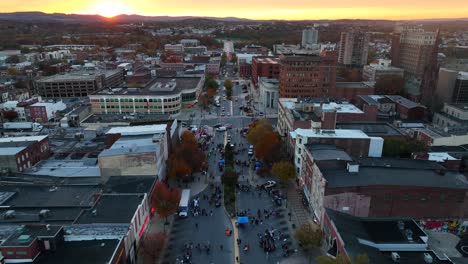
{"x":235,"y":17}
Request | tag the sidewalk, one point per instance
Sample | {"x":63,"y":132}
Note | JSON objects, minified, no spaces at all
{"x":299,"y":214}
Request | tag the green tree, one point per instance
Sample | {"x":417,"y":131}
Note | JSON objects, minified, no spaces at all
{"x":228,"y":85}
{"x":211,"y":83}
{"x":402,"y":147}
{"x":309,"y":236}
{"x":284,"y":170}
{"x":223,"y":60}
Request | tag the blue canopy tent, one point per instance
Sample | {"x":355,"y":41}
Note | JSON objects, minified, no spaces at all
{"x":242,"y":219}
{"x":221,"y":162}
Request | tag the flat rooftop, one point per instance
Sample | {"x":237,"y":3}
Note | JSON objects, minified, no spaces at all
{"x":25,"y":235}
{"x":138,"y":130}
{"x":11,"y":148}
{"x":372,"y":129}
{"x":355,"y":85}
{"x":131,"y":144}
{"x":112,"y":209}
{"x":327,"y":152}
{"x":85,"y":167}
{"x":158,"y":86}
{"x":395,"y":175}
{"x":81,"y":252}
{"x":322,"y":133}
{"x":460,"y":106}
{"x":46,"y":197}
{"x":78,"y":76}
{"x":130,"y":184}
{"x":23,"y":139}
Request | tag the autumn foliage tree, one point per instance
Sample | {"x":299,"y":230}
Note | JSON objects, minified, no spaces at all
{"x":152,"y":245}
{"x":186,"y":158}
{"x":266,"y":141}
{"x":341,"y":259}
{"x":228,"y":85}
{"x":165,"y":200}
{"x":284,"y":170}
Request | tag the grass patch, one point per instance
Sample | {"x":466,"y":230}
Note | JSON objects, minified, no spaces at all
{"x":230,"y":199}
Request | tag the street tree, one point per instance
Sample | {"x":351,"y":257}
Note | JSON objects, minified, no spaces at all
{"x":284,"y":170}
{"x":152,"y":245}
{"x":266,"y":141}
{"x":309,"y":237}
{"x":228,"y":85}
{"x":203,"y":100}
{"x":390,"y":85}
{"x":186,"y":158}
{"x":341,"y":259}
{"x":211,"y":83}
{"x":165,"y":200}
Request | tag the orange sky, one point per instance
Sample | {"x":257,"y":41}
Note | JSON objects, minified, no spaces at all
{"x":255,"y":9}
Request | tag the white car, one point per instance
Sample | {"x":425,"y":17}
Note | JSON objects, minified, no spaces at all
{"x":221,"y":129}
{"x":250,"y":153}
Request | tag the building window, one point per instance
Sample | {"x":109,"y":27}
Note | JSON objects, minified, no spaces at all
{"x":388,"y":197}
{"x":405,"y":197}
{"x":298,"y":160}
{"x":21,"y":252}
{"x":10,"y":252}
{"x":442,"y":197}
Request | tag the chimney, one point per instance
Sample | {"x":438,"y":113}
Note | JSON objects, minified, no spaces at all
{"x":352,"y":167}
{"x":329,"y":120}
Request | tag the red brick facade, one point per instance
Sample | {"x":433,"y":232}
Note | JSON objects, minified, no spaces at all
{"x":307,"y":76}
{"x":411,"y":201}
{"x":32,"y":154}
{"x":264,"y":67}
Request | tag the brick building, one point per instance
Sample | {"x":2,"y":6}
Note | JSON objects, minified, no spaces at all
{"x":307,"y":76}
{"x":268,"y":67}
{"x":351,"y":90}
{"x":371,"y":187}
{"x":393,"y":106}
{"x":20,"y":153}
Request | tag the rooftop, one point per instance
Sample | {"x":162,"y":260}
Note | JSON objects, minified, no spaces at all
{"x":85,"y":167}
{"x":380,"y":234}
{"x":23,"y":139}
{"x":79,"y":76}
{"x":460,"y":106}
{"x":11,"y":148}
{"x":327,"y":152}
{"x":46,"y":197}
{"x":131,"y":144}
{"x":403,"y":101}
{"x":322,"y":133}
{"x":24,"y":235}
{"x":396,"y":173}
{"x":106,"y":207}
{"x":129,"y":184}
{"x":138,"y":130}
{"x":269,"y":60}
{"x":355,"y":85}
{"x":81,"y":252}
{"x":440,"y":156}
{"x":158,"y":86}
{"x":372,"y":129}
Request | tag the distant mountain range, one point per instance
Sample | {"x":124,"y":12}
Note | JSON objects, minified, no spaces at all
{"x":74,"y":18}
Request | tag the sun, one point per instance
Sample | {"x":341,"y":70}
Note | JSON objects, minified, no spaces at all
{"x":110,"y":9}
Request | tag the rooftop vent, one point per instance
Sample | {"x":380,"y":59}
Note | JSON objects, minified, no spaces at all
{"x":395,"y":257}
{"x":428,"y":258}
{"x":44,"y":213}
{"x":409,"y":234}
{"x":352,"y":167}
{"x":94,"y":212}
{"x":10,"y":214}
{"x":401,"y":225}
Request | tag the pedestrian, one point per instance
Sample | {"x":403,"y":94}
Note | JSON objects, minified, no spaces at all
{"x":196,"y":225}
{"x":211,"y":212}
{"x":237,"y":259}
{"x":221,"y":247}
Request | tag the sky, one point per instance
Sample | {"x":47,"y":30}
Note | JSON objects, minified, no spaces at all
{"x":253,"y":9}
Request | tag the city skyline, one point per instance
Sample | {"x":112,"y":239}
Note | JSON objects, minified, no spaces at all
{"x":260,"y":9}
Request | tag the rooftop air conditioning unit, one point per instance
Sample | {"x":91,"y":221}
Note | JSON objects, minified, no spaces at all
{"x":44,"y":213}
{"x":428,"y":258}
{"x":395,"y":257}
{"x":10,"y":214}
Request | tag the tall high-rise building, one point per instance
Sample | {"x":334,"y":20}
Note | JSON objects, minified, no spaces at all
{"x":413,"y":50}
{"x":307,"y":76}
{"x":354,"y":47}
{"x":309,"y":38}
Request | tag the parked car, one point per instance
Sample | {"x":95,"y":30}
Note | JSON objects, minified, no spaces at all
{"x":221,"y":129}
{"x":183,"y":124}
{"x":250,"y":153}
{"x":228,"y":126}
{"x":217,"y":125}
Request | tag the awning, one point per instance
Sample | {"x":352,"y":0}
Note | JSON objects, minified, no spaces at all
{"x":243,"y":219}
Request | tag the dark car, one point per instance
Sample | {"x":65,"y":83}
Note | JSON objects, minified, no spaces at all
{"x":217,"y":125}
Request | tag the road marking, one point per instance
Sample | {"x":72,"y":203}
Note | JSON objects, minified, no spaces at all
{"x":225,"y":137}
{"x":230,"y":102}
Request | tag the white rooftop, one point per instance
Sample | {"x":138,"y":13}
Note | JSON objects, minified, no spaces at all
{"x":22,"y":139}
{"x":324,"y":133}
{"x":340,"y":108}
{"x":440,"y":156}
{"x":138,"y":130}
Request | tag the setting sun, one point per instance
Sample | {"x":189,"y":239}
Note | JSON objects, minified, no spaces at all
{"x":110,"y":9}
